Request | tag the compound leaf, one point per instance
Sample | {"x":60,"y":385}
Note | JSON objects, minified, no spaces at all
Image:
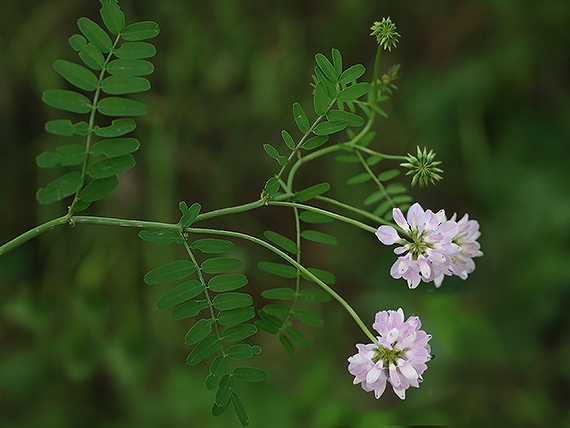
{"x":99,"y":188}
{"x":180,"y":294}
{"x":170,"y":272}
{"x":60,"y":188}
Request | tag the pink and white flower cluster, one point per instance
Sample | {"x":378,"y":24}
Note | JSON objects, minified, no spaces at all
{"x":400,"y":359}
{"x":433,"y":247}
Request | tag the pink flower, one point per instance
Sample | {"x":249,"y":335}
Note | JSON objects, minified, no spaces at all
{"x":399,"y":360}
{"x":462,"y":263}
{"x":427,"y":252}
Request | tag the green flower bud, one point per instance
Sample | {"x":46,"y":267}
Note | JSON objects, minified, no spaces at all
{"x":423,"y":167}
{"x":385,"y":32}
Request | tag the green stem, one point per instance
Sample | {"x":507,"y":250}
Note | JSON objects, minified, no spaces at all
{"x":375,"y":179}
{"x":32,"y":233}
{"x":354,"y":210}
{"x":326,"y":213}
{"x":300,"y":267}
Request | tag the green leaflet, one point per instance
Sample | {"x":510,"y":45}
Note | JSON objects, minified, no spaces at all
{"x":225,"y":390}
{"x":284,"y":293}
{"x":190,"y":215}
{"x":316,"y":141}
{"x":60,"y":188}
{"x":111,"y":166}
{"x":289,"y":142}
{"x":66,"y":128}
{"x":337,"y":61}
{"x":234,"y":300}
{"x":281,"y":241}
{"x":112,"y":15}
{"x":67,"y":155}
{"x":353,"y":92}
{"x":76,"y":74}
{"x":350,"y":118}
{"x":141,"y":31}
{"x":308,"y":318}
{"x":213,"y":246}
{"x":95,"y":34}
{"x":199,"y":331}
{"x":117,"y":106}
{"x":119,"y":85}
{"x":298,"y":337}
{"x":279,"y":269}
{"x":311,"y":192}
{"x":327,"y":128}
{"x":388,"y":175}
{"x":315,"y":295}
{"x":236,"y":316}
{"x":99,"y":188}
{"x":286,"y":342}
{"x":67,"y":100}
{"x":272,"y":186}
{"x":351,"y":74}
{"x":300,"y":117}
{"x":130,"y":67}
{"x":188,"y":309}
{"x":328,"y":69}
{"x":315,"y":235}
{"x":273,"y":153}
{"x":323,"y":275}
{"x":159,"y":237}
{"x":238,"y":332}
{"x":115,"y":147}
{"x":89,"y":53}
{"x":239,"y":409}
{"x":136,"y":50}
{"x":282,"y":311}
{"x":170,"y":272}
{"x":321,"y":99}
{"x":180,"y":294}
{"x":204,"y":349}
{"x":315,"y":218}
{"x":229,"y":282}
{"x":249,"y":374}
{"x":358,"y":179}
{"x":117,"y":128}
{"x":243,"y":351}
{"x":221,"y":265}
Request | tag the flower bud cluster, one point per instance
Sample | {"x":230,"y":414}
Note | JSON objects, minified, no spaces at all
{"x":433,"y":246}
{"x":400,"y":359}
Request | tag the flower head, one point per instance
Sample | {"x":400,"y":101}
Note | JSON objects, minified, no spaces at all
{"x":433,"y":247}
{"x":385,"y":32}
{"x":400,"y":359}
{"x":423,"y":167}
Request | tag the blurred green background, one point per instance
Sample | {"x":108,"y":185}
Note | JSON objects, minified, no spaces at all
{"x":486,"y":84}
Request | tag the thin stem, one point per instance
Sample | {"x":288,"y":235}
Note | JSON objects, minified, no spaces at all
{"x":375,"y":179}
{"x":326,"y":213}
{"x":32,"y":233}
{"x":293,"y":262}
{"x":354,"y":210}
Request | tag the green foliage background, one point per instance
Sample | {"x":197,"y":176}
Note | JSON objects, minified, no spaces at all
{"x":484,"y":83}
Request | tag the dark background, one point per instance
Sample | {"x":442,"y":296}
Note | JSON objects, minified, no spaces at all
{"x":485,"y":84}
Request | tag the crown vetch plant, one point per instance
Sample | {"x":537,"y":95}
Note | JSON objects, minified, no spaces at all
{"x":112,"y":63}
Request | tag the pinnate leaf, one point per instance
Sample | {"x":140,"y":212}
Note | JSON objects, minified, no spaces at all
{"x":99,"y":188}
{"x":178,"y":269}
{"x":60,"y":188}
{"x":141,"y":31}
{"x":180,"y":294}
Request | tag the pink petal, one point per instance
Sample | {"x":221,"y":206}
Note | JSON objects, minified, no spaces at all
{"x":387,"y":235}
